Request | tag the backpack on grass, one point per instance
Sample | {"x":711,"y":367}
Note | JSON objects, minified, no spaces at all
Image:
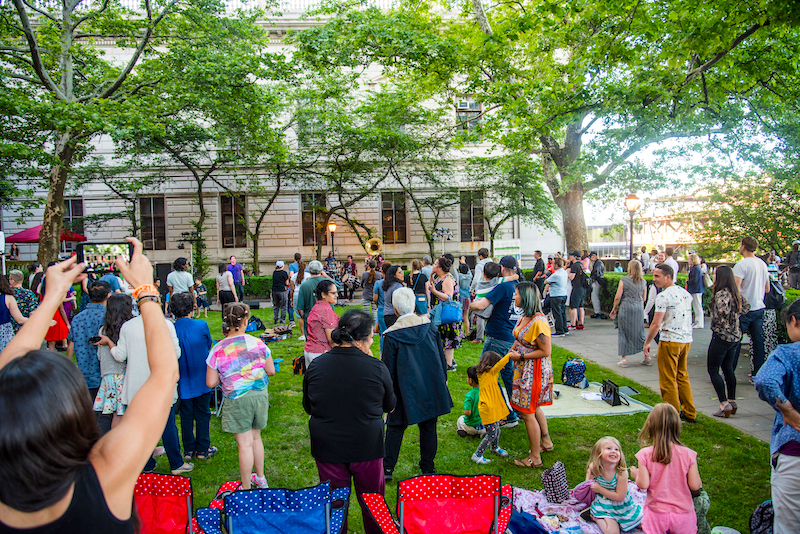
{"x":254,"y":324}
{"x":574,"y":373}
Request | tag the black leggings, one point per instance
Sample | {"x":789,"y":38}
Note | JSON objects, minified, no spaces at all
{"x":722,"y":353}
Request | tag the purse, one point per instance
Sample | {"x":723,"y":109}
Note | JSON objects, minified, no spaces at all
{"x":610,"y":393}
{"x":707,"y":281}
{"x":451,"y":312}
{"x":554,"y":480}
{"x":421,"y":303}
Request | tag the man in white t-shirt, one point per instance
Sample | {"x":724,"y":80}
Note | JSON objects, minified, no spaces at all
{"x":669,"y":251}
{"x":752,"y":277}
{"x":673,"y":317}
{"x":645,"y":259}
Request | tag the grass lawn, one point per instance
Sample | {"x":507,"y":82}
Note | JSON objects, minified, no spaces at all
{"x":734,"y":466}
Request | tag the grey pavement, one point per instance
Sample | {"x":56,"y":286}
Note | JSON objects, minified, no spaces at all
{"x":598,"y":342}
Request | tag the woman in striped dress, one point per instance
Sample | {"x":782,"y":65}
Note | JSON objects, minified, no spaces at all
{"x":629,"y":305}
{"x":613,"y":508}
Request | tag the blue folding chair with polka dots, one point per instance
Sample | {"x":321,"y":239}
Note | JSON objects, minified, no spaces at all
{"x":314,"y":510}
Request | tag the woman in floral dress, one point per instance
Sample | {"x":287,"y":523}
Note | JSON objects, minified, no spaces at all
{"x":532,"y":385}
{"x":444,"y":287}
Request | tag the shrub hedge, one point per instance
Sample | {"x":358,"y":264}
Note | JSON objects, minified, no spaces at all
{"x":255,"y":286}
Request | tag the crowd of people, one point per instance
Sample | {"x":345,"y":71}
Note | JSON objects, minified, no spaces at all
{"x":127,"y":353}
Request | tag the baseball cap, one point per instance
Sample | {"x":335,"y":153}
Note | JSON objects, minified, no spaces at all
{"x":509,"y":262}
{"x":279,"y":264}
{"x":796,"y":242}
{"x":575,"y":253}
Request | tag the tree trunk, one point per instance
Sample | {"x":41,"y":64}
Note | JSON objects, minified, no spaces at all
{"x":571,"y":204}
{"x":50,"y":234}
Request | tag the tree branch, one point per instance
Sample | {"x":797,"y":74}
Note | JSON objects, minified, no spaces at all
{"x":694,"y":73}
{"x":139,"y":49}
{"x":36,"y":56}
{"x":33,"y":7}
{"x":86,"y":17}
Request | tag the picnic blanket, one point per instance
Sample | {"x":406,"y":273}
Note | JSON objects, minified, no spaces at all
{"x":535,"y":503}
{"x":570,"y":403}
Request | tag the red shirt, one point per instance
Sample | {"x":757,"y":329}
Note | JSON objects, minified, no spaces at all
{"x":320,"y":317}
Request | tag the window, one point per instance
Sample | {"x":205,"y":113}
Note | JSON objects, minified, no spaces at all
{"x":234,"y":231}
{"x":468,"y":113}
{"x":311,"y":226}
{"x":154,"y":227}
{"x":472,"y":216}
{"x":72,"y":221}
{"x":393,"y":217}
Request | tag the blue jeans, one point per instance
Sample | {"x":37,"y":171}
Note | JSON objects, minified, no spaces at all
{"x":507,"y":374}
{"x":239,"y":286}
{"x":381,"y":328}
{"x":753,"y":323}
{"x":557,"y":305}
{"x":171,"y":444}
{"x":196,"y":412}
{"x":291,"y":312}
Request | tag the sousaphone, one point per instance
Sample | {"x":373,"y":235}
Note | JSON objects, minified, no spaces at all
{"x":373,"y":246}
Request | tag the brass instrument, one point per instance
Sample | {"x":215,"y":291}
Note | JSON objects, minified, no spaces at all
{"x":374,"y":246}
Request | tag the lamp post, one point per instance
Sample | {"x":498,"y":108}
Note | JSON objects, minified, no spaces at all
{"x":332,"y":230}
{"x":632,"y":204}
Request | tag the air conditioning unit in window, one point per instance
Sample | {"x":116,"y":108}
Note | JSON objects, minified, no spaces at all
{"x":228,"y":242}
{"x":150,"y":244}
{"x":463,"y":104}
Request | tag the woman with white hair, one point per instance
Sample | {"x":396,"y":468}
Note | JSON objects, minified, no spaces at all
{"x":413,"y":348}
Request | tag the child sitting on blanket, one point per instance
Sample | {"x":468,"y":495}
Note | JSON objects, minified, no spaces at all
{"x":668,"y":471}
{"x":613,"y":508}
{"x":469,"y":424}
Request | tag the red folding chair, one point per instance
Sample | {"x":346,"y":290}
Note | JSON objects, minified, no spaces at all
{"x":445,"y":503}
{"x":163,"y":503}
{"x":217,"y":502}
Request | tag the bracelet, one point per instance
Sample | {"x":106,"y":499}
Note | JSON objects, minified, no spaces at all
{"x":152,"y":298}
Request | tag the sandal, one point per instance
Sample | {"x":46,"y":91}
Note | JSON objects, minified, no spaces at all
{"x":188,"y":457}
{"x":527,"y":462}
{"x":542,"y":447}
{"x":648,"y":362}
{"x":622,"y":363}
{"x":211,"y":452}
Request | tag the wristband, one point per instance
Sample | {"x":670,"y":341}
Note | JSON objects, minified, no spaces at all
{"x":147,"y":288}
{"x":154,"y":298}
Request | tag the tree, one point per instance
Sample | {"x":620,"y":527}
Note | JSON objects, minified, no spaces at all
{"x":585,"y":87}
{"x":511,"y":187}
{"x":76,"y":93}
{"x":763,"y":207}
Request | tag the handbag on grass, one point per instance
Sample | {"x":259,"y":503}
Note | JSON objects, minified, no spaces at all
{"x":554,"y":480}
{"x":610,"y":393}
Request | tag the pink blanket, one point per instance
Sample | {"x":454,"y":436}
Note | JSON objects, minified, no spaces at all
{"x":531,"y":501}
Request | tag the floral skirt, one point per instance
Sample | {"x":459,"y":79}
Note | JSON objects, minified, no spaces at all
{"x":451,"y":335}
{"x":6,"y":333}
{"x":532,"y":385}
{"x":108,"y":399}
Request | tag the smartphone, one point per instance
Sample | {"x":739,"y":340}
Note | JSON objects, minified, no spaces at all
{"x":101,"y":257}
{"x":94,"y":339}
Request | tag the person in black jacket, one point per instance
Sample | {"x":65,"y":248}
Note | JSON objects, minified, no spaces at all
{"x":414,"y":355}
{"x":598,"y":281}
{"x":346,"y":392}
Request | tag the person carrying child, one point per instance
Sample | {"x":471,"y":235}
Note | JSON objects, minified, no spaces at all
{"x":493,"y":405}
{"x":242,"y":364}
{"x":470,"y":424}
{"x":613,"y":508}
{"x":668,"y":471}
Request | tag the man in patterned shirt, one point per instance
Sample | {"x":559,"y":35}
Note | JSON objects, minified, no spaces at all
{"x":27,"y":301}
{"x":85,"y":325}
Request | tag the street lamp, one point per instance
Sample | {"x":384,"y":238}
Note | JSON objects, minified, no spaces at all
{"x":632,"y":203}
{"x":332,"y":230}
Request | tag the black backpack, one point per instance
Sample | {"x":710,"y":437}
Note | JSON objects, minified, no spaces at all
{"x":762,"y":518}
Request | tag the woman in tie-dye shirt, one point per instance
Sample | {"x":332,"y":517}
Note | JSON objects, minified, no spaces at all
{"x":242,"y":365}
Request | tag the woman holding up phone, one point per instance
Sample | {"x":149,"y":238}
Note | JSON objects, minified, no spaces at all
{"x":87,"y":482}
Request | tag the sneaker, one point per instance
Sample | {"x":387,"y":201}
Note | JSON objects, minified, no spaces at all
{"x":451,"y":368}
{"x":185,"y":468}
{"x":301,"y":338}
{"x":260,"y":483}
{"x":462,"y":433}
{"x":687,"y":419}
{"x":505,"y":423}
{"x":480,"y":460}
{"x":596,"y":316}
{"x":501,"y":452}
{"x":558,"y":335}
{"x":580,"y":327}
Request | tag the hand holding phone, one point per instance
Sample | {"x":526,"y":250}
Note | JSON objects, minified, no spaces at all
{"x":101,"y":257}
{"x":94,"y":339}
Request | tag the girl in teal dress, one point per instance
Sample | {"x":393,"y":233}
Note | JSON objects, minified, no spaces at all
{"x":613,"y":508}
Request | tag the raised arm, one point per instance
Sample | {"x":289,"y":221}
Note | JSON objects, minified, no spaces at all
{"x":60,"y":277}
{"x":119,"y":456}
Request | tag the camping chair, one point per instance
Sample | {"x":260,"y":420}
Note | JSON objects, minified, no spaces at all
{"x":314,"y":510}
{"x":432,"y":504}
{"x":217,"y":502}
{"x":164,"y":503}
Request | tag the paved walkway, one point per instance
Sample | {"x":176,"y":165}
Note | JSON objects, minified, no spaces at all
{"x":598,"y":342}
